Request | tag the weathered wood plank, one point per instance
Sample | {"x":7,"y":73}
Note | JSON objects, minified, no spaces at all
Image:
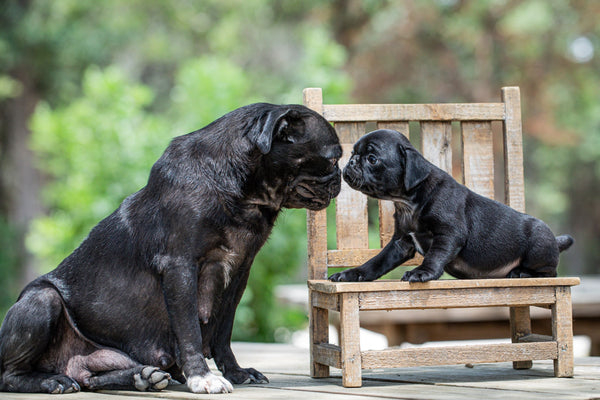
{"x":513,"y":150}
{"x":414,"y":112}
{"x":562,"y":332}
{"x":400,"y":126}
{"x":386,"y":222}
{"x":520,"y":327}
{"x":319,"y":328}
{"x":350,"y":337}
{"x":355,"y":257}
{"x":478,"y":157}
{"x":316,"y":221}
{"x":394,"y":358}
{"x":352,"y":221}
{"x":392,"y":284}
{"x":436,"y":138}
{"x":457,"y":298}
{"x":324,"y":300}
{"x":328,"y":354}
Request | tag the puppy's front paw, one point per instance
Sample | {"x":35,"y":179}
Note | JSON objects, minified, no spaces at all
{"x":420,"y":275}
{"x":349,"y":275}
{"x":209,"y":383}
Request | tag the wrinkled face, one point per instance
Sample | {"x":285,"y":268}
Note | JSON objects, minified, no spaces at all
{"x":385,"y":165}
{"x":308,"y":159}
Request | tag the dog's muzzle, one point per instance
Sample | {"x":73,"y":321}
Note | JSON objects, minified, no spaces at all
{"x":314,"y":192}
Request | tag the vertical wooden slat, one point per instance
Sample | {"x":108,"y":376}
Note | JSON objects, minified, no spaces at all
{"x":436,"y":138}
{"x":316,"y":221}
{"x":351,"y":205}
{"x":386,"y":207}
{"x":386,"y":221}
{"x":478,"y":157}
{"x":513,"y":149}
{"x":316,"y":228}
{"x":520,"y":326}
{"x":562,"y":332}
{"x":400,"y":126}
{"x":350,"y":340}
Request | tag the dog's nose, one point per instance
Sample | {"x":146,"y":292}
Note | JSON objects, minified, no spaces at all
{"x":352,"y":161}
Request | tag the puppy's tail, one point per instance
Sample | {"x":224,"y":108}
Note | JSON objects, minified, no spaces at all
{"x":564,"y":242}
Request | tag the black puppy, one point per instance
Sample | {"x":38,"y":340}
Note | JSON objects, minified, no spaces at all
{"x":457,"y":230}
{"x":152,"y":291}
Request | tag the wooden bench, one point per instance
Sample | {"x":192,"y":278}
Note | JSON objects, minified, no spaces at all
{"x":435,"y":123}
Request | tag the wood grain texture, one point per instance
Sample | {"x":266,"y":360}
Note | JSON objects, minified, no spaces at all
{"x":350,"y":337}
{"x":436,"y":139}
{"x":355,"y":257}
{"x":442,"y":284}
{"x":520,"y":327}
{"x":513,"y":150}
{"x":394,"y":358}
{"x":562,"y":332}
{"x":386,"y":222}
{"x":352,"y":221}
{"x":400,"y":126}
{"x":316,"y":221}
{"x":456,"y":298}
{"x":414,"y":112}
{"x":328,"y":354}
{"x":478,"y":157}
{"x":319,"y":333}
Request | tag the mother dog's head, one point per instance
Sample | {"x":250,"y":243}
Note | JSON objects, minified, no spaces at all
{"x":262,"y":154}
{"x":300,"y":148}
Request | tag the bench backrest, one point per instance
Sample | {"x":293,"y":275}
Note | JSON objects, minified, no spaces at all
{"x":434,"y":124}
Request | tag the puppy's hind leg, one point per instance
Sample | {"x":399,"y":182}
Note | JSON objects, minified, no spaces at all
{"x":541,"y":258}
{"x":25,"y":337}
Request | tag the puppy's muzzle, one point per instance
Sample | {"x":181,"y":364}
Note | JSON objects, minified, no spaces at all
{"x":353,"y":175}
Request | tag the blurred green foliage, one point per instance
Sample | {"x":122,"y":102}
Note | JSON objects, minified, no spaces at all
{"x":119,"y":79}
{"x":99,"y":147}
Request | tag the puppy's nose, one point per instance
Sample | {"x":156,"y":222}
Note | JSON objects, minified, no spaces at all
{"x":352,"y":161}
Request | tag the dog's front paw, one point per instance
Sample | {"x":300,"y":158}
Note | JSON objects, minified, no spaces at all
{"x":245,"y":375}
{"x":151,"y":378}
{"x":209,"y":383}
{"x":349,"y":275}
{"x":420,"y":275}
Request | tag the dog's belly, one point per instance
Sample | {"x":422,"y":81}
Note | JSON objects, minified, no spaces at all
{"x":459,"y":268}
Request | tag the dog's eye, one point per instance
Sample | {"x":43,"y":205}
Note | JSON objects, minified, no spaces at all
{"x":372,"y":159}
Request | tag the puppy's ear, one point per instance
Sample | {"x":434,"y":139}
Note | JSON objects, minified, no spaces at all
{"x":269,"y":126}
{"x":416,"y":168}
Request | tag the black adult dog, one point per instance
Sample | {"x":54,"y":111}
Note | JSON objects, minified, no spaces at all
{"x":457,"y":230}
{"x":152,"y":291}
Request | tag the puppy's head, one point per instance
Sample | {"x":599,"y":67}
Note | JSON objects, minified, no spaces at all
{"x":385,"y":165}
{"x":300,"y":150}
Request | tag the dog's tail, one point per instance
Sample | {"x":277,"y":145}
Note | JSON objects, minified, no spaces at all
{"x":564,"y":242}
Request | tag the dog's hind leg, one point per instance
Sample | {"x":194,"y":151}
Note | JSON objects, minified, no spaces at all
{"x":25,"y":335}
{"x":142,"y":378}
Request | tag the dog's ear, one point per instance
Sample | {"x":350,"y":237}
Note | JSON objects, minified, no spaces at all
{"x":271,"y":125}
{"x":416,"y":168}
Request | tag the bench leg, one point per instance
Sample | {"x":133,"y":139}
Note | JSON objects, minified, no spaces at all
{"x":319,"y":333}
{"x":520,"y":325}
{"x":350,"y":340}
{"x":562,"y":332}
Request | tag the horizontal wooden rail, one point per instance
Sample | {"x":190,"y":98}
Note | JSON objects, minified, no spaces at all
{"x":414,"y":112}
{"x":486,"y":353}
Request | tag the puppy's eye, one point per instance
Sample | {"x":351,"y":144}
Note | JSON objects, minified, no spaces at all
{"x":372,"y":159}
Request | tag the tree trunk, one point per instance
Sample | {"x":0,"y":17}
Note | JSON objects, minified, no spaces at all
{"x":20,"y":180}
